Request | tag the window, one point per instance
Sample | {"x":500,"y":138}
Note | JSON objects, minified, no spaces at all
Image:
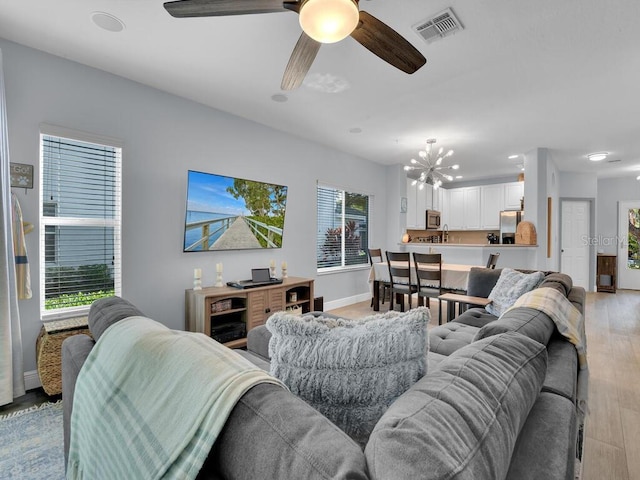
{"x":342,"y":212}
{"x":79,"y":222}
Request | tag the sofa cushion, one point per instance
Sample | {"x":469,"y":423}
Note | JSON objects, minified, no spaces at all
{"x":509,"y":287}
{"x":463,"y":418}
{"x":527,"y":321}
{"x":560,"y":281}
{"x":475,"y":317}
{"x":562,"y":369}
{"x":350,"y":370}
{"x":106,"y":311}
{"x":481,"y":281}
{"x":271,"y":434}
{"x":446,"y":339}
{"x":547,"y":441}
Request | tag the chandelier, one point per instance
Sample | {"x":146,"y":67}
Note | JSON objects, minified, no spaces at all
{"x":430,"y":167}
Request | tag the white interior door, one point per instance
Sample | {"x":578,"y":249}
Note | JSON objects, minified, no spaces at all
{"x":574,"y":253}
{"x":628,"y":241}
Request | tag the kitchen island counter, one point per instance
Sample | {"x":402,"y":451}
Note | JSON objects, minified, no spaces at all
{"x":513,"y":256}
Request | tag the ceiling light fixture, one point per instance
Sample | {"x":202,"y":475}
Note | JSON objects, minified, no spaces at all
{"x":513,"y":157}
{"x":430,"y":166}
{"x":329,"y":21}
{"x":596,"y":157}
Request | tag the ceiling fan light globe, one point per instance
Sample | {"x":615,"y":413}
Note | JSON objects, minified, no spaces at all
{"x":328,"y":21}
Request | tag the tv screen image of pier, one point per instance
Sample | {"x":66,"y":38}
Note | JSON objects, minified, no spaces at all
{"x":228,"y":213}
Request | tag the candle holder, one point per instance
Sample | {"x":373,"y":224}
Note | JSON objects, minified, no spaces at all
{"x":197,"y":284}
{"x":284,"y":272}
{"x":272,"y":271}
{"x":219,"y":280}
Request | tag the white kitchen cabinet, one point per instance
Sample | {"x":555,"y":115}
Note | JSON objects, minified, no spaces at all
{"x":421,"y":206}
{"x":463,"y":212}
{"x":472,"y":208}
{"x":416,"y":206}
{"x":455,"y":216}
{"x":411,"y":205}
{"x":513,"y":192}
{"x":491,"y":202}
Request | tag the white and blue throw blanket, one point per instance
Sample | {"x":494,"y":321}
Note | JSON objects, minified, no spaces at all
{"x":149,"y":402}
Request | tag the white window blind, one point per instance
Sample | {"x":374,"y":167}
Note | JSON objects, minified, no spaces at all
{"x":79,"y":224}
{"x":343,"y":228}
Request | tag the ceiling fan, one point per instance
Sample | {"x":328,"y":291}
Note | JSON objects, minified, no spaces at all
{"x":322,"y":21}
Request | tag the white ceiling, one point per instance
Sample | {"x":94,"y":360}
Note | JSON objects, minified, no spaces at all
{"x":560,"y":74}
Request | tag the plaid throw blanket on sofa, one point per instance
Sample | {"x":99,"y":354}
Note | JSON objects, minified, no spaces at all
{"x":570,"y":323}
{"x":149,"y":402}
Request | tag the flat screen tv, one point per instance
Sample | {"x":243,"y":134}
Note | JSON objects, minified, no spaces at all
{"x":227,"y":213}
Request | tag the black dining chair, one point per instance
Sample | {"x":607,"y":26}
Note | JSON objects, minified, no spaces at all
{"x":493,"y":259}
{"x":429,"y":277}
{"x":375,"y":256}
{"x":400,"y":278}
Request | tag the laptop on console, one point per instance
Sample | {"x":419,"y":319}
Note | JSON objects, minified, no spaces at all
{"x":260,"y":277}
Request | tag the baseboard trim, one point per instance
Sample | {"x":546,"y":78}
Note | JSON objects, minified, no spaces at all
{"x":345,"y":302}
{"x":31,"y":380}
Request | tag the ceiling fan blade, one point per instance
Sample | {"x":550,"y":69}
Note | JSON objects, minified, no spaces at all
{"x":300,"y":62}
{"x":215,"y":8}
{"x":387,"y":44}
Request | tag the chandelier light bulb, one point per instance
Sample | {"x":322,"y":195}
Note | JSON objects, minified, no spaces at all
{"x":407,"y":168}
{"x":422,"y":154}
{"x":421,"y":186}
{"x":439,"y":161}
{"x":455,"y":167}
{"x":440,"y":151}
{"x":449,"y":153}
{"x":413,"y":184}
{"x":329,"y":21}
{"x":414,"y":161}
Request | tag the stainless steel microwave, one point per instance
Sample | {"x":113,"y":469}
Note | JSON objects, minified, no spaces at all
{"x":433,"y":220}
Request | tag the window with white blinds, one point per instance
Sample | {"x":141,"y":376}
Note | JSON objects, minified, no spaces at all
{"x":79,"y":224}
{"x":343,"y":228}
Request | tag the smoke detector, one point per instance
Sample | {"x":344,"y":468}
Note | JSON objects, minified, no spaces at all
{"x":439,"y":26}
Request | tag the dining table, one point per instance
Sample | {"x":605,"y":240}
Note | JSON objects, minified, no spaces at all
{"x":454,"y":277}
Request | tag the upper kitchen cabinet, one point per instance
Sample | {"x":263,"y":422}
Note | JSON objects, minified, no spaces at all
{"x":416,"y":205}
{"x":463,"y":212}
{"x":492,"y":201}
{"x":513,"y":192}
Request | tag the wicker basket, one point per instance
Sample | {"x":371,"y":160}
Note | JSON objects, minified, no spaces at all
{"x":49,"y":350}
{"x":526,"y":234}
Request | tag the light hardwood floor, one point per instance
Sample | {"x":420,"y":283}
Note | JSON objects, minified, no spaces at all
{"x":612,"y":435}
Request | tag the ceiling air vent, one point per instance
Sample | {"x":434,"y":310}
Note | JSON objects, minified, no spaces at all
{"x":439,"y":26}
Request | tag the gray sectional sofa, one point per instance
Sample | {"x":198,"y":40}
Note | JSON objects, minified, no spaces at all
{"x":498,"y":401}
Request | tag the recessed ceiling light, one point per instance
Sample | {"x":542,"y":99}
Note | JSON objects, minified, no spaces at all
{"x":279,"y":97}
{"x":108,"y":22}
{"x":596,"y":157}
{"x":638,"y":177}
{"x":355,"y":130}
{"x":512,"y":157}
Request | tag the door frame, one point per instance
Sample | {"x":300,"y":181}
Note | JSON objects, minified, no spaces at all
{"x":619,"y":258}
{"x":592,"y":237}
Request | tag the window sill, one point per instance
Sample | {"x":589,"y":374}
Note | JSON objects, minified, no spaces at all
{"x":334,"y":270}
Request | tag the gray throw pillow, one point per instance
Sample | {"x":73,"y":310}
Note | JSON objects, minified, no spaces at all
{"x":350,"y":370}
{"x":509,"y":287}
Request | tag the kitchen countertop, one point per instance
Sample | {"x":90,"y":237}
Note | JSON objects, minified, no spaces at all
{"x":490,"y":245}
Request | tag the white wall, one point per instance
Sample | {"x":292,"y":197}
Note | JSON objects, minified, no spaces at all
{"x":610,"y":192}
{"x":163,"y":137}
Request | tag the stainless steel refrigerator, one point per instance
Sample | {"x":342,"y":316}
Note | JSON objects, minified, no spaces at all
{"x":509,"y":220}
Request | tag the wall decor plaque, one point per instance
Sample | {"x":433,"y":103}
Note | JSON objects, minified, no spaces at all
{"x":21,"y":175}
